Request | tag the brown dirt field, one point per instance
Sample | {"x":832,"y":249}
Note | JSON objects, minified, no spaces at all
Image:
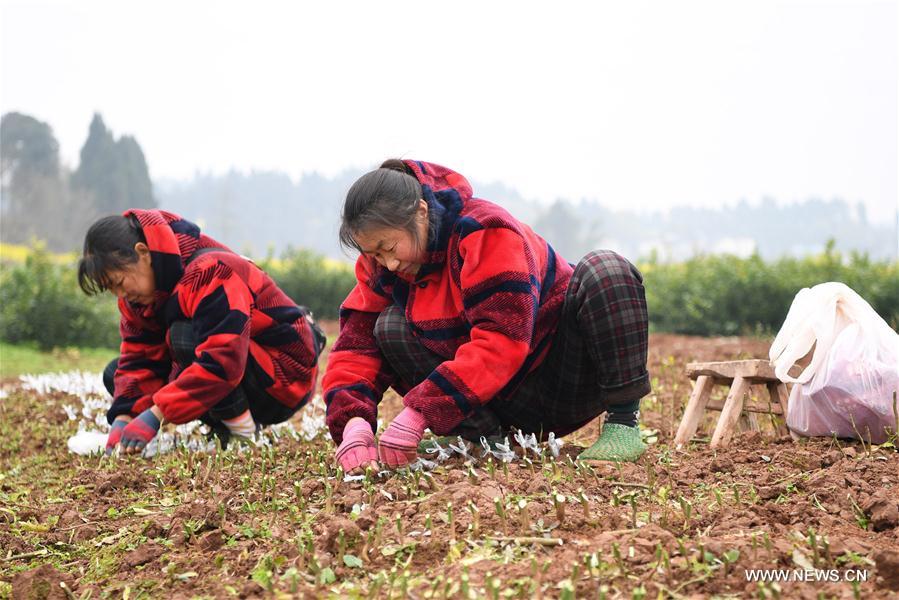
{"x":270,"y":523}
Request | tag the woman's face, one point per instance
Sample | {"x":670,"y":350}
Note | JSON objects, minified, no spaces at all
{"x":135,"y":282}
{"x":396,"y":249}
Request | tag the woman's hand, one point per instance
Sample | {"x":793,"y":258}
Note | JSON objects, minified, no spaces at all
{"x":358,"y":450}
{"x":138,"y":433}
{"x":399,"y":442}
{"x":115,"y":432}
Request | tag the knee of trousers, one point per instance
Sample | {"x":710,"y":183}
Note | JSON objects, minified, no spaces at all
{"x":600,"y":266}
{"x":391,"y":329}
{"x":109,"y":376}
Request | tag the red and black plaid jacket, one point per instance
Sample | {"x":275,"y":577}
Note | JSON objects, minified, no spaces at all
{"x":488,"y":300}
{"x":238,"y":314}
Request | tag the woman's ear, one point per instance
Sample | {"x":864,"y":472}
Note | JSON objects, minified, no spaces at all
{"x":142,"y":251}
{"x":422,"y":209}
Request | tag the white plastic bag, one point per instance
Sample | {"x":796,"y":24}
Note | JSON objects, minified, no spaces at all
{"x":847,"y":388}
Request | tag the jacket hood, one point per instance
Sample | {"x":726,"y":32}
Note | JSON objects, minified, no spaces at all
{"x":172,"y":241}
{"x":446,"y":192}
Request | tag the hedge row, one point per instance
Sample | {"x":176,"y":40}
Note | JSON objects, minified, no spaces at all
{"x":708,"y":295}
{"x":728,"y":295}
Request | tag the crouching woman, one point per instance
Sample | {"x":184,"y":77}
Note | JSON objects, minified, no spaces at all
{"x":206,"y":334}
{"x":479,"y":323}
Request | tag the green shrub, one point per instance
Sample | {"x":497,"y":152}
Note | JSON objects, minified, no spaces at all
{"x":312,"y":280}
{"x":40,"y":302}
{"x":728,"y":295}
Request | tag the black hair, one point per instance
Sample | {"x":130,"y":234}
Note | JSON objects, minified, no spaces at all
{"x":386,"y":197}
{"x":108,"y":246}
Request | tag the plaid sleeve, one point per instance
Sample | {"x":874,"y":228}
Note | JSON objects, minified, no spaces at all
{"x":499,"y":284}
{"x":218,"y":303}
{"x":357,"y":373}
{"x":144,"y":364}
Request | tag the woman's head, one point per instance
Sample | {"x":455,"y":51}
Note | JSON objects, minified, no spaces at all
{"x":385,"y":217}
{"x":116,"y":258}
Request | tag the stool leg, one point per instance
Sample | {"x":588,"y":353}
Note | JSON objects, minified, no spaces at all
{"x":730,"y":413}
{"x":702,"y":389}
{"x":777,"y":394}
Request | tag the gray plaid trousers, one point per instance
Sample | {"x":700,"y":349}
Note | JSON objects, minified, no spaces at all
{"x":596,"y":361}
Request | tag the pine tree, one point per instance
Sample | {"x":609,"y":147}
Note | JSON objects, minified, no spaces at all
{"x":114,"y":172}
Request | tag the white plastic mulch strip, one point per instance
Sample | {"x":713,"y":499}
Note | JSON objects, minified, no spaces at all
{"x":90,"y":401}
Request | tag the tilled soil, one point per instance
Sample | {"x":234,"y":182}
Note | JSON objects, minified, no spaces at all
{"x":272,"y":522}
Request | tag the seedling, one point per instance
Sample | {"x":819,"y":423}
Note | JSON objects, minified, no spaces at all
{"x":472,"y":476}
{"x":464,"y":579}
{"x":575,"y":571}
{"x":329,"y":498}
{"x":501,"y":513}
{"x":341,"y":546}
{"x":719,"y":501}
{"x":559,"y":505}
{"x":619,"y":560}
{"x":523,"y":517}
{"x":493,"y":584}
{"x":585,"y":505}
{"x":860,"y":517}
{"x":633,"y":503}
{"x":449,"y":520}
{"x":687,"y":509}
{"x":475,"y":517}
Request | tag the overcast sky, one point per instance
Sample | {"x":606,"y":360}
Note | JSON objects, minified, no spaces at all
{"x":637,"y":104}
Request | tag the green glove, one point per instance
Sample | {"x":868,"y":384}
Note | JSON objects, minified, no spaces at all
{"x":618,"y":443}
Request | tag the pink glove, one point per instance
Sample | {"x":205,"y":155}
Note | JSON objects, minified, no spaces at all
{"x":399,"y":442}
{"x":115,"y":434}
{"x":358,"y":449}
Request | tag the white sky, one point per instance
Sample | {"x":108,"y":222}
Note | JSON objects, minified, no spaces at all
{"x":637,"y":104}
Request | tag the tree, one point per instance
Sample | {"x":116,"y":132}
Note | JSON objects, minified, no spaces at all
{"x":27,"y":145}
{"x":30,"y":175}
{"x":114,"y":172}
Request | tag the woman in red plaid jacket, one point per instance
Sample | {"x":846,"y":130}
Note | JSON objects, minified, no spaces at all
{"x":478,"y":323}
{"x":206,"y":334}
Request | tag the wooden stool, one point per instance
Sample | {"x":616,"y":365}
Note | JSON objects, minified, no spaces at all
{"x":740,"y":375}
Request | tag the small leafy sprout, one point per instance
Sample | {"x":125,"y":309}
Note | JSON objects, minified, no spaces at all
{"x":616,"y":552}
{"x":633,"y":503}
{"x":399,"y":525}
{"x":341,"y":545}
{"x":475,"y":517}
{"x":501,"y":513}
{"x":493,"y":583}
{"x":687,"y":509}
{"x":329,"y":497}
{"x":575,"y":571}
{"x":449,"y":520}
{"x":429,"y":525}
